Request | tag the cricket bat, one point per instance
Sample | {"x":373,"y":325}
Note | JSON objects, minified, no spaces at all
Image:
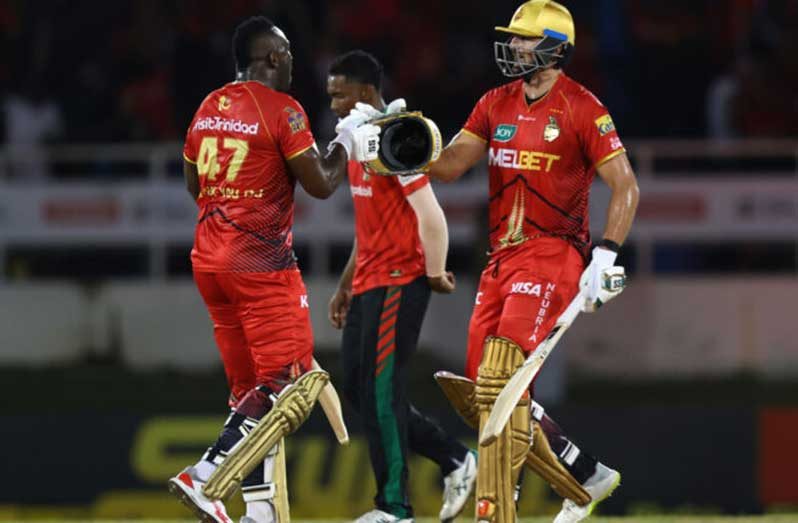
{"x":331,"y":405}
{"x":519,"y":383}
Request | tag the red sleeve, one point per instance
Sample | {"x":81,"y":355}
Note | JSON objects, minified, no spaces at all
{"x":412,"y":183}
{"x":600,"y":141}
{"x":478,"y":124}
{"x":293,"y":134}
{"x":190,"y":145}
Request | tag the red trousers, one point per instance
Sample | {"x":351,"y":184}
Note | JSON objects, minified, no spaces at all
{"x":261,"y":323}
{"x":521,"y":293}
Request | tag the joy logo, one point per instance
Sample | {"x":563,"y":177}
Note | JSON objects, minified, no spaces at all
{"x":504,"y":132}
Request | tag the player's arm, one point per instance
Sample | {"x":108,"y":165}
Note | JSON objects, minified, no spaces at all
{"x":462,"y":153}
{"x":434,"y":236}
{"x":319,"y":175}
{"x":342,"y":299}
{"x":191,"y":177}
{"x":601,"y":280}
{"x":618,"y":175}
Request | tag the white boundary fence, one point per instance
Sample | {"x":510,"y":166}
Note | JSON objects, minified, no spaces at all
{"x":134,"y":195}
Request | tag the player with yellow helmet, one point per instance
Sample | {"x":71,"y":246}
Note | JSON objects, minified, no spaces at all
{"x":550,"y":25}
{"x":545,"y":137}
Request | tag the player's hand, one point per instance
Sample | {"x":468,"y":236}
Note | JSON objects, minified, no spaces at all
{"x":443,"y":284}
{"x":351,"y":121}
{"x":361,"y":140}
{"x":396,"y":106}
{"x":339,"y":307}
{"x":602,"y":280}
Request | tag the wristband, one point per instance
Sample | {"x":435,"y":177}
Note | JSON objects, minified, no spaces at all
{"x":608,"y":244}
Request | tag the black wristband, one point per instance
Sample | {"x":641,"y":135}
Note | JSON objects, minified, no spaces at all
{"x":608,"y":244}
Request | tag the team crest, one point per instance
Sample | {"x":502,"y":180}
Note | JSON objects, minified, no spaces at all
{"x":552,"y":131}
{"x":296,"y":120}
{"x":605,"y":125}
{"x":224,"y":103}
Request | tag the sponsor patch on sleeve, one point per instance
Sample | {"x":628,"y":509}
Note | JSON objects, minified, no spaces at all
{"x":604,"y":124}
{"x":296,"y":120}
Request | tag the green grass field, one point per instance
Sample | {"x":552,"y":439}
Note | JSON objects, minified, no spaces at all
{"x":781,"y":518}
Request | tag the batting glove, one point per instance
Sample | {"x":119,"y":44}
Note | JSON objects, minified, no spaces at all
{"x":602,"y":280}
{"x":396,"y":106}
{"x":361,"y":140}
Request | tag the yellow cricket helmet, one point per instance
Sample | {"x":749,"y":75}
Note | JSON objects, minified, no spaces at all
{"x":544,"y":19}
{"x":539,"y":18}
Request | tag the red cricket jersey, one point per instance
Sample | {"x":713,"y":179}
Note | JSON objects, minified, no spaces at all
{"x":542,"y":158}
{"x":240,"y":139}
{"x":389,"y":250}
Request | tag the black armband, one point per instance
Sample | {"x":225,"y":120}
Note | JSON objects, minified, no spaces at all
{"x":608,"y":244}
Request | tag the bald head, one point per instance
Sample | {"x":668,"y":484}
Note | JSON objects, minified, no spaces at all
{"x":262,"y":53}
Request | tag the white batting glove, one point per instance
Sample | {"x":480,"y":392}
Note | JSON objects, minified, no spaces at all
{"x":354,"y":119}
{"x":361,"y":140}
{"x":396,"y":106}
{"x":602,"y":280}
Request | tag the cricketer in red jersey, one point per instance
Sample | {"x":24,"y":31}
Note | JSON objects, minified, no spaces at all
{"x":399,"y":256}
{"x":246,"y":147}
{"x":386,"y":253}
{"x":545,"y":137}
{"x":538,"y":191}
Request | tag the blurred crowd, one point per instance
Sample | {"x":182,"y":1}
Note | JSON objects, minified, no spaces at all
{"x":91,"y":71}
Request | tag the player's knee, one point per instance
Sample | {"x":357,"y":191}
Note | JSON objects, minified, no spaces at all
{"x":500,"y":358}
{"x":255,"y":403}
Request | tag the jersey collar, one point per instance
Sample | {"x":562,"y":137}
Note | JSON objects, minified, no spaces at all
{"x":530,"y":106}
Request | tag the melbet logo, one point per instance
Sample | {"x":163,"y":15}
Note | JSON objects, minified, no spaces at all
{"x":217,"y":123}
{"x":524,"y":160}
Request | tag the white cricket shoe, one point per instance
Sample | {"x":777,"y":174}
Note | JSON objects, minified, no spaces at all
{"x":378,"y":516}
{"x":457,"y":486}
{"x":600,"y":486}
{"x":249,"y":519}
{"x":271,"y":517}
{"x":188,"y":489}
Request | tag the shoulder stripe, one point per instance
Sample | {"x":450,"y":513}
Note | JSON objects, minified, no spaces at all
{"x":472,"y":133}
{"x":293,"y":155}
{"x":610,"y":156}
